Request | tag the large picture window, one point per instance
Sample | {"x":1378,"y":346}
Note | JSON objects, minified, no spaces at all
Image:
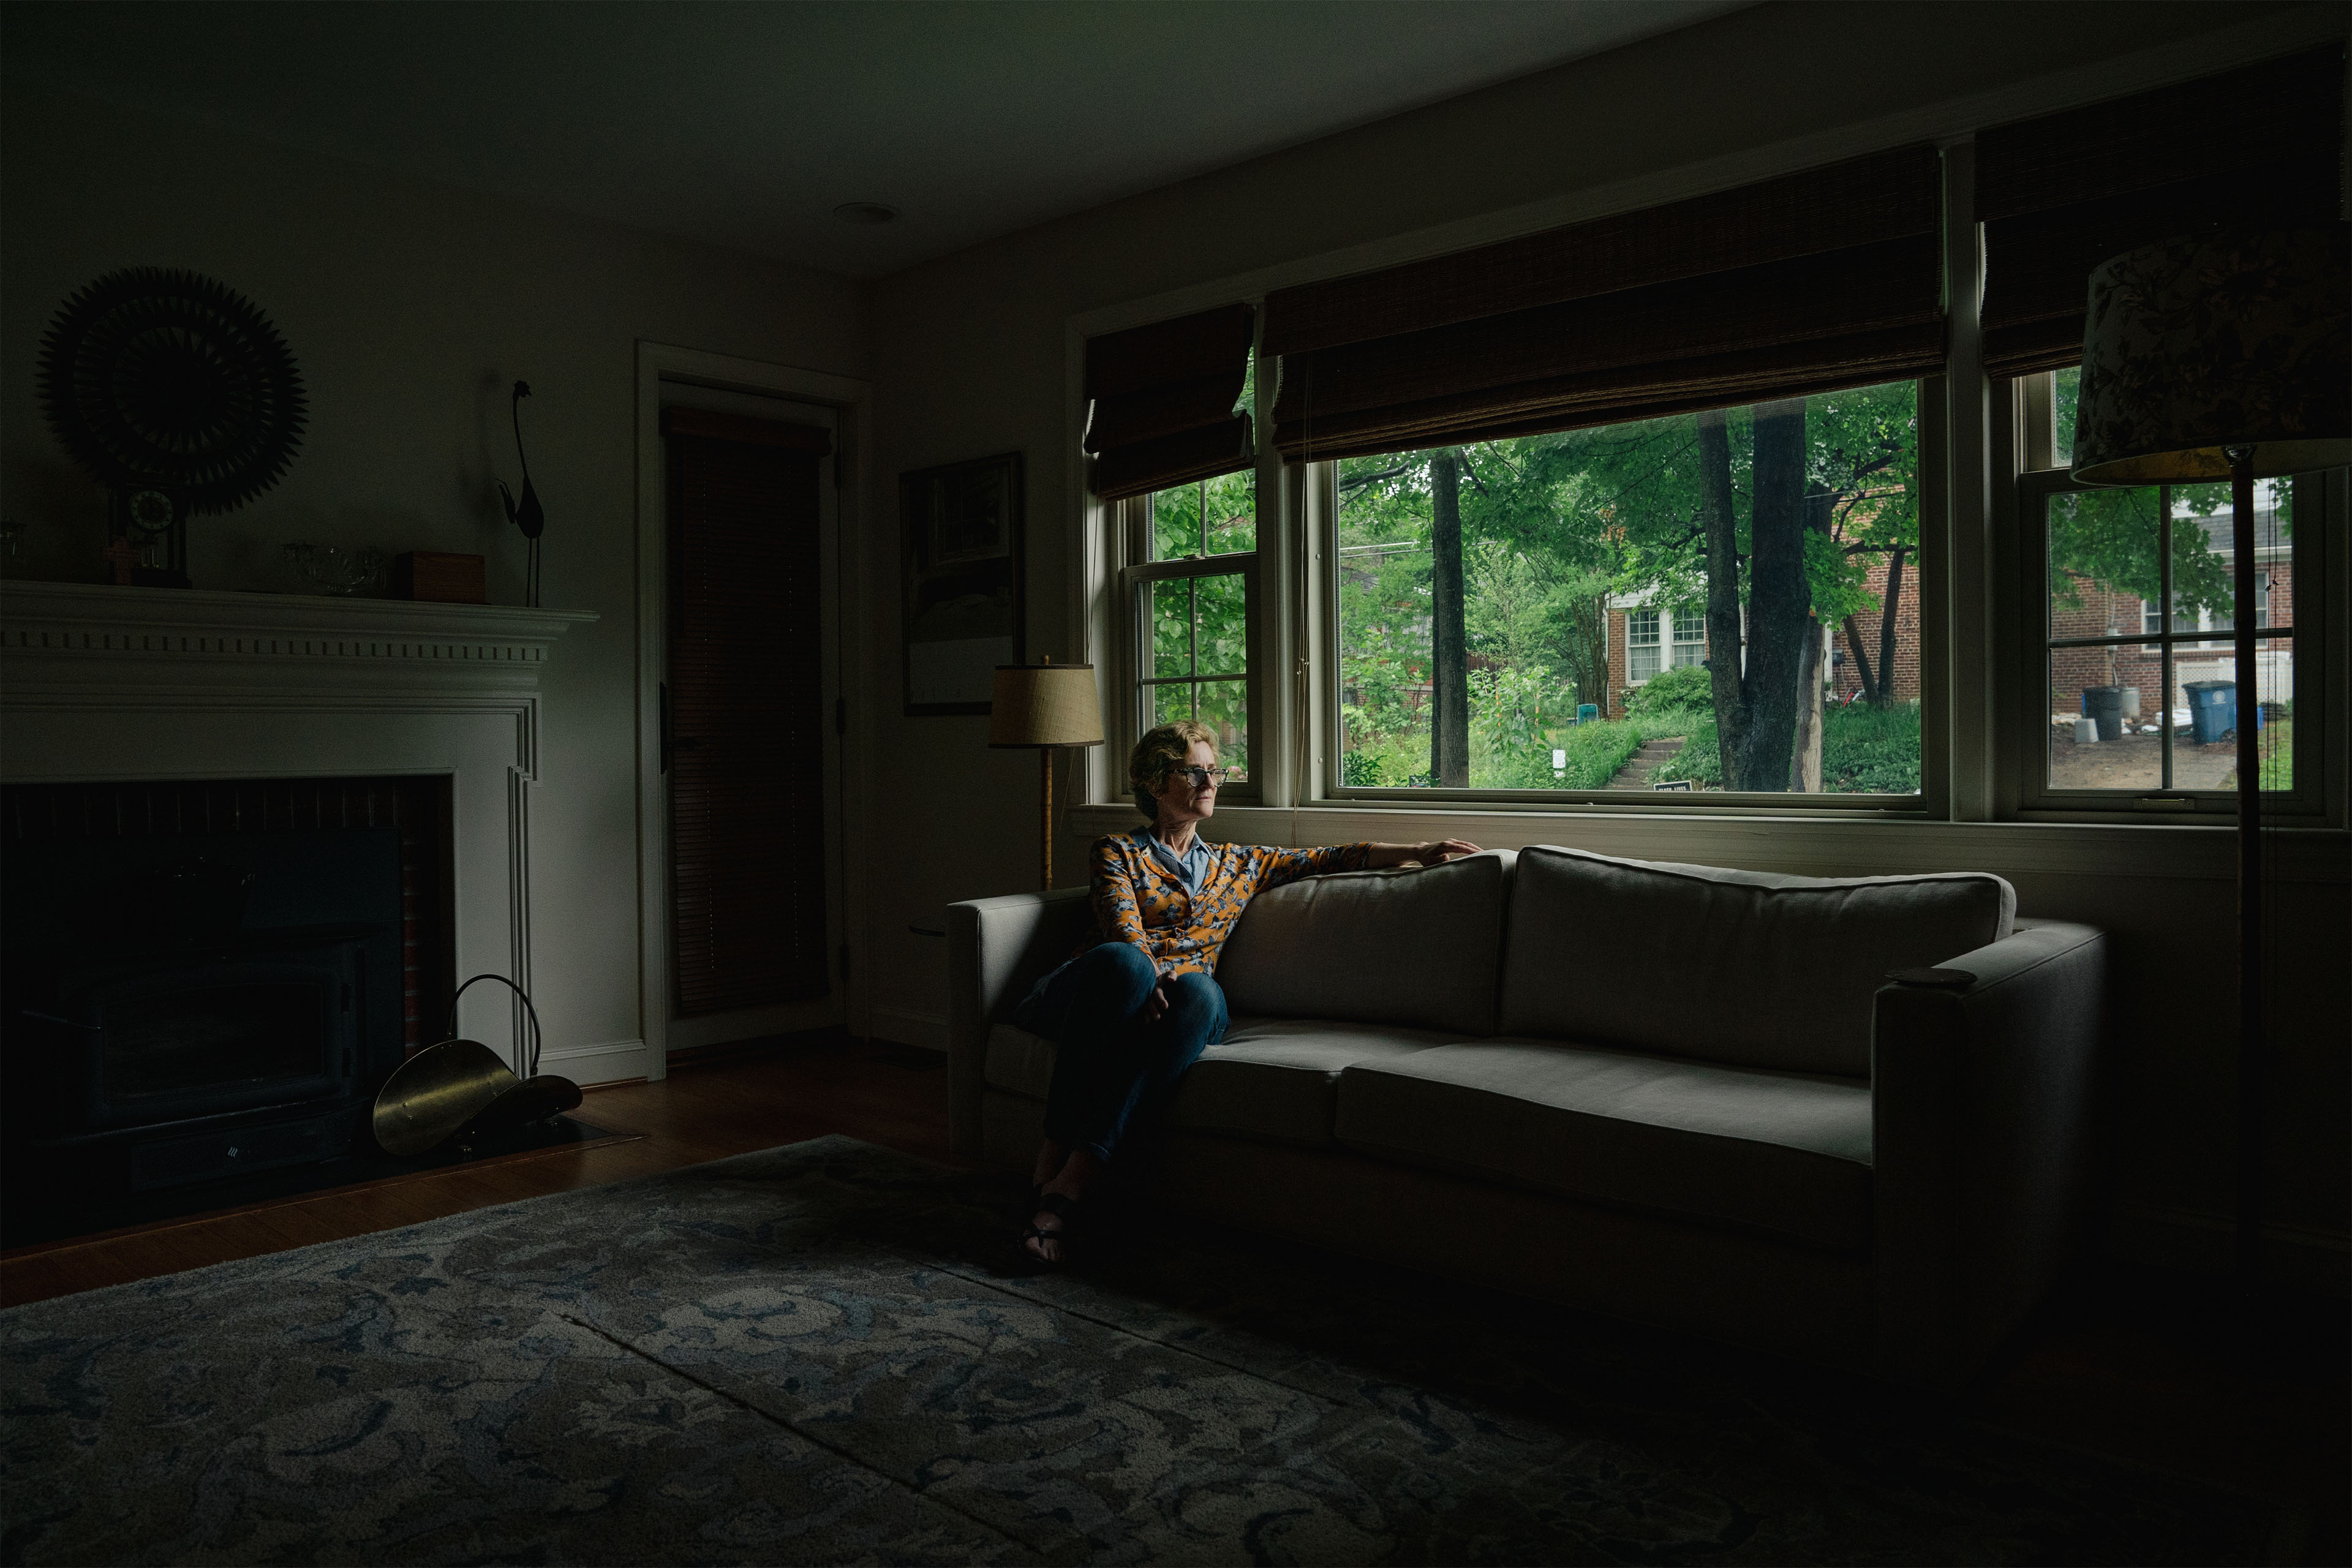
{"x":1718,"y":602}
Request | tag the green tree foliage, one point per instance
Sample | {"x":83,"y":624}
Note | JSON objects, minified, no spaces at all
{"x":1553,"y":526}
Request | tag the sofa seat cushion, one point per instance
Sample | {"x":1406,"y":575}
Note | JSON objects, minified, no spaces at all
{"x":1750,"y":968}
{"x":1278,"y":1079}
{"x":1273,"y":1078}
{"x":1777,"y":1151}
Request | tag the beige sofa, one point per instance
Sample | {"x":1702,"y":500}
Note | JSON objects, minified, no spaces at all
{"x":1674,"y":1093}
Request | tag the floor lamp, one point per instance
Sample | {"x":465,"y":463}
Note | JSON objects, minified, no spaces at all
{"x":1051,"y":707}
{"x":2225,"y":356}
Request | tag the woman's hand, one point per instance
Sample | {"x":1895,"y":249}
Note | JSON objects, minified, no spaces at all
{"x":1436,"y":852}
{"x":1155,"y":1007}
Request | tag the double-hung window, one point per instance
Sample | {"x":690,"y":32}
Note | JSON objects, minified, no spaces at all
{"x":2130,"y":670}
{"x":1190,"y":587}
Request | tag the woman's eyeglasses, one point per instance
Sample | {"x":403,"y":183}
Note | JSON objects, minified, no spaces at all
{"x":1201,"y":777}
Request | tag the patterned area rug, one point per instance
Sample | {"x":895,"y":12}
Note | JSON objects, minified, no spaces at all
{"x":804,"y":1355}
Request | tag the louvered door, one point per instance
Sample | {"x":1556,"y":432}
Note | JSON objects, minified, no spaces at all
{"x":744,"y":726}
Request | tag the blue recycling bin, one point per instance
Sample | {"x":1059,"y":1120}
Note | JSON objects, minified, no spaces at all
{"x":2213,"y":709}
{"x":1588,"y":713}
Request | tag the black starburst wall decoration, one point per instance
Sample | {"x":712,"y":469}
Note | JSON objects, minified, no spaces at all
{"x":176,"y":393}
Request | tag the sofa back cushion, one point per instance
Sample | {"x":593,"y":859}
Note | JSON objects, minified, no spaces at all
{"x":1747,"y":967}
{"x":1414,"y":948}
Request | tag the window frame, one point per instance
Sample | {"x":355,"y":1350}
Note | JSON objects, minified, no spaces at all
{"x":1931,"y":802}
{"x":2318,"y":500}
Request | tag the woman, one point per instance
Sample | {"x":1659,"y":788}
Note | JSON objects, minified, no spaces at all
{"x":1137,"y":1005}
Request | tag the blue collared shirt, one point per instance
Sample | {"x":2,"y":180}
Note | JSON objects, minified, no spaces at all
{"x":1191,"y":868}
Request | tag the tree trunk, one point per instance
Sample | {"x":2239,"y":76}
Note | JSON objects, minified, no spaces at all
{"x":1883,"y":697}
{"x":1780,"y":599}
{"x":1861,"y":663}
{"x":1720,"y":528}
{"x":1590,"y":664}
{"x":1805,"y":748}
{"x":1449,"y":728}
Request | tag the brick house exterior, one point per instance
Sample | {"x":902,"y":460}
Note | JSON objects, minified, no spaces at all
{"x":1845,"y":681}
{"x":2103,"y":611}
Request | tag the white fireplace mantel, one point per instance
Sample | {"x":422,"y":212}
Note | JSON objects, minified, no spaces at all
{"x":126,"y":684}
{"x":84,"y":634}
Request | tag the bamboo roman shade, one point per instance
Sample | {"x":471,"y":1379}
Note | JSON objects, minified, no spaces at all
{"x":1816,"y":280}
{"x":743,"y":720}
{"x":2058,"y":196}
{"x":1163,"y":400}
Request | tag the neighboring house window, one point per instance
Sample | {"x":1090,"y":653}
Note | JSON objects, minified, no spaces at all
{"x":1690,"y":637}
{"x":2214,"y":618}
{"x":1192,"y":589}
{"x":1642,"y":646}
{"x":1656,"y":641}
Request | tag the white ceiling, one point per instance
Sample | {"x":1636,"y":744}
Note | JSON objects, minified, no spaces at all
{"x":745,"y":123}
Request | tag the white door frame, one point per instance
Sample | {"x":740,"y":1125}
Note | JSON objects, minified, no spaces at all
{"x":846,"y":559}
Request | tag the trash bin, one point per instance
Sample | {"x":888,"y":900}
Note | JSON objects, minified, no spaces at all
{"x":2213,"y":709}
{"x":2105,"y":704}
{"x":1588,"y":713}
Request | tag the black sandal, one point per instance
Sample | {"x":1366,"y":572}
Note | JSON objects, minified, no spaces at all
{"x":1064,"y":1208}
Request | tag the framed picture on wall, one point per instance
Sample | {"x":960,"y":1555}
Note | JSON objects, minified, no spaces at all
{"x":960,"y":568}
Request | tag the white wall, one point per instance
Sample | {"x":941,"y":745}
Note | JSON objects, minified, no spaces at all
{"x":971,"y":356}
{"x":410,"y":310}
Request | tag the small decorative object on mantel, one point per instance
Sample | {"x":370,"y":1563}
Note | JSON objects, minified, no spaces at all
{"x":961,"y":566}
{"x":526,"y":514}
{"x":460,"y":1089}
{"x":177,"y":395}
{"x":334,"y":569}
{"x":436,"y":577}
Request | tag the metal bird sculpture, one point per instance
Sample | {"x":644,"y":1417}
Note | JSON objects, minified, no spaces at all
{"x":526,"y":514}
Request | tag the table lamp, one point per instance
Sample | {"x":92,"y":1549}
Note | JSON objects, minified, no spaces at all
{"x":1051,"y":707}
{"x":2225,"y":356}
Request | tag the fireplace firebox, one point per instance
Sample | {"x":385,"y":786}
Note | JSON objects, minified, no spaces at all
{"x":153,"y":1069}
{"x":199,"y":982}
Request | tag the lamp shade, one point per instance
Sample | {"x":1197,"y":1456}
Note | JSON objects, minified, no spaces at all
{"x":2215,"y":340}
{"x":1044,"y":705}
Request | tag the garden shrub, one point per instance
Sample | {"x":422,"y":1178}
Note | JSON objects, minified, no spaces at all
{"x":1682,"y":689}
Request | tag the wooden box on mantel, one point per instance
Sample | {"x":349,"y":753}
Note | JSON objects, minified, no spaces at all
{"x":441,"y":578}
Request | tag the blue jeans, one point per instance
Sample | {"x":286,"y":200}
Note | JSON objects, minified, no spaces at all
{"x":1113,"y":1064}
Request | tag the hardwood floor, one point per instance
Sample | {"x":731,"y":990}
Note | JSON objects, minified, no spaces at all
{"x":2159,"y":1370}
{"x":729,"y":1103}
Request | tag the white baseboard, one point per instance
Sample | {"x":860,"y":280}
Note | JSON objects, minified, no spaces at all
{"x":927,"y":1030}
{"x":615,"y":1061}
{"x":2206,"y":1243}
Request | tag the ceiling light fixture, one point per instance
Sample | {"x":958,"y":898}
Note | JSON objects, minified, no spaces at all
{"x":865,"y":214}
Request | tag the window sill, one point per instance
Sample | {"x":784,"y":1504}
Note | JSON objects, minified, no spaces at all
{"x":1806,"y":843}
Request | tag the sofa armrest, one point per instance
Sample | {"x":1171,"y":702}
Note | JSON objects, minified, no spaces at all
{"x":996,"y":950}
{"x":1981,"y":1131}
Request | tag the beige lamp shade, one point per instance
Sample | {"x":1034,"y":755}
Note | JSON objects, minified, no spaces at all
{"x":1044,"y":705}
{"x":2215,"y":340}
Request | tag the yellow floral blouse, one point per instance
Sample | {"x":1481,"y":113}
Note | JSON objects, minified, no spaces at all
{"x":1137,"y":900}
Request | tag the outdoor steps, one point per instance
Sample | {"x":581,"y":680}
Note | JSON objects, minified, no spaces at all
{"x":1635,"y":773}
